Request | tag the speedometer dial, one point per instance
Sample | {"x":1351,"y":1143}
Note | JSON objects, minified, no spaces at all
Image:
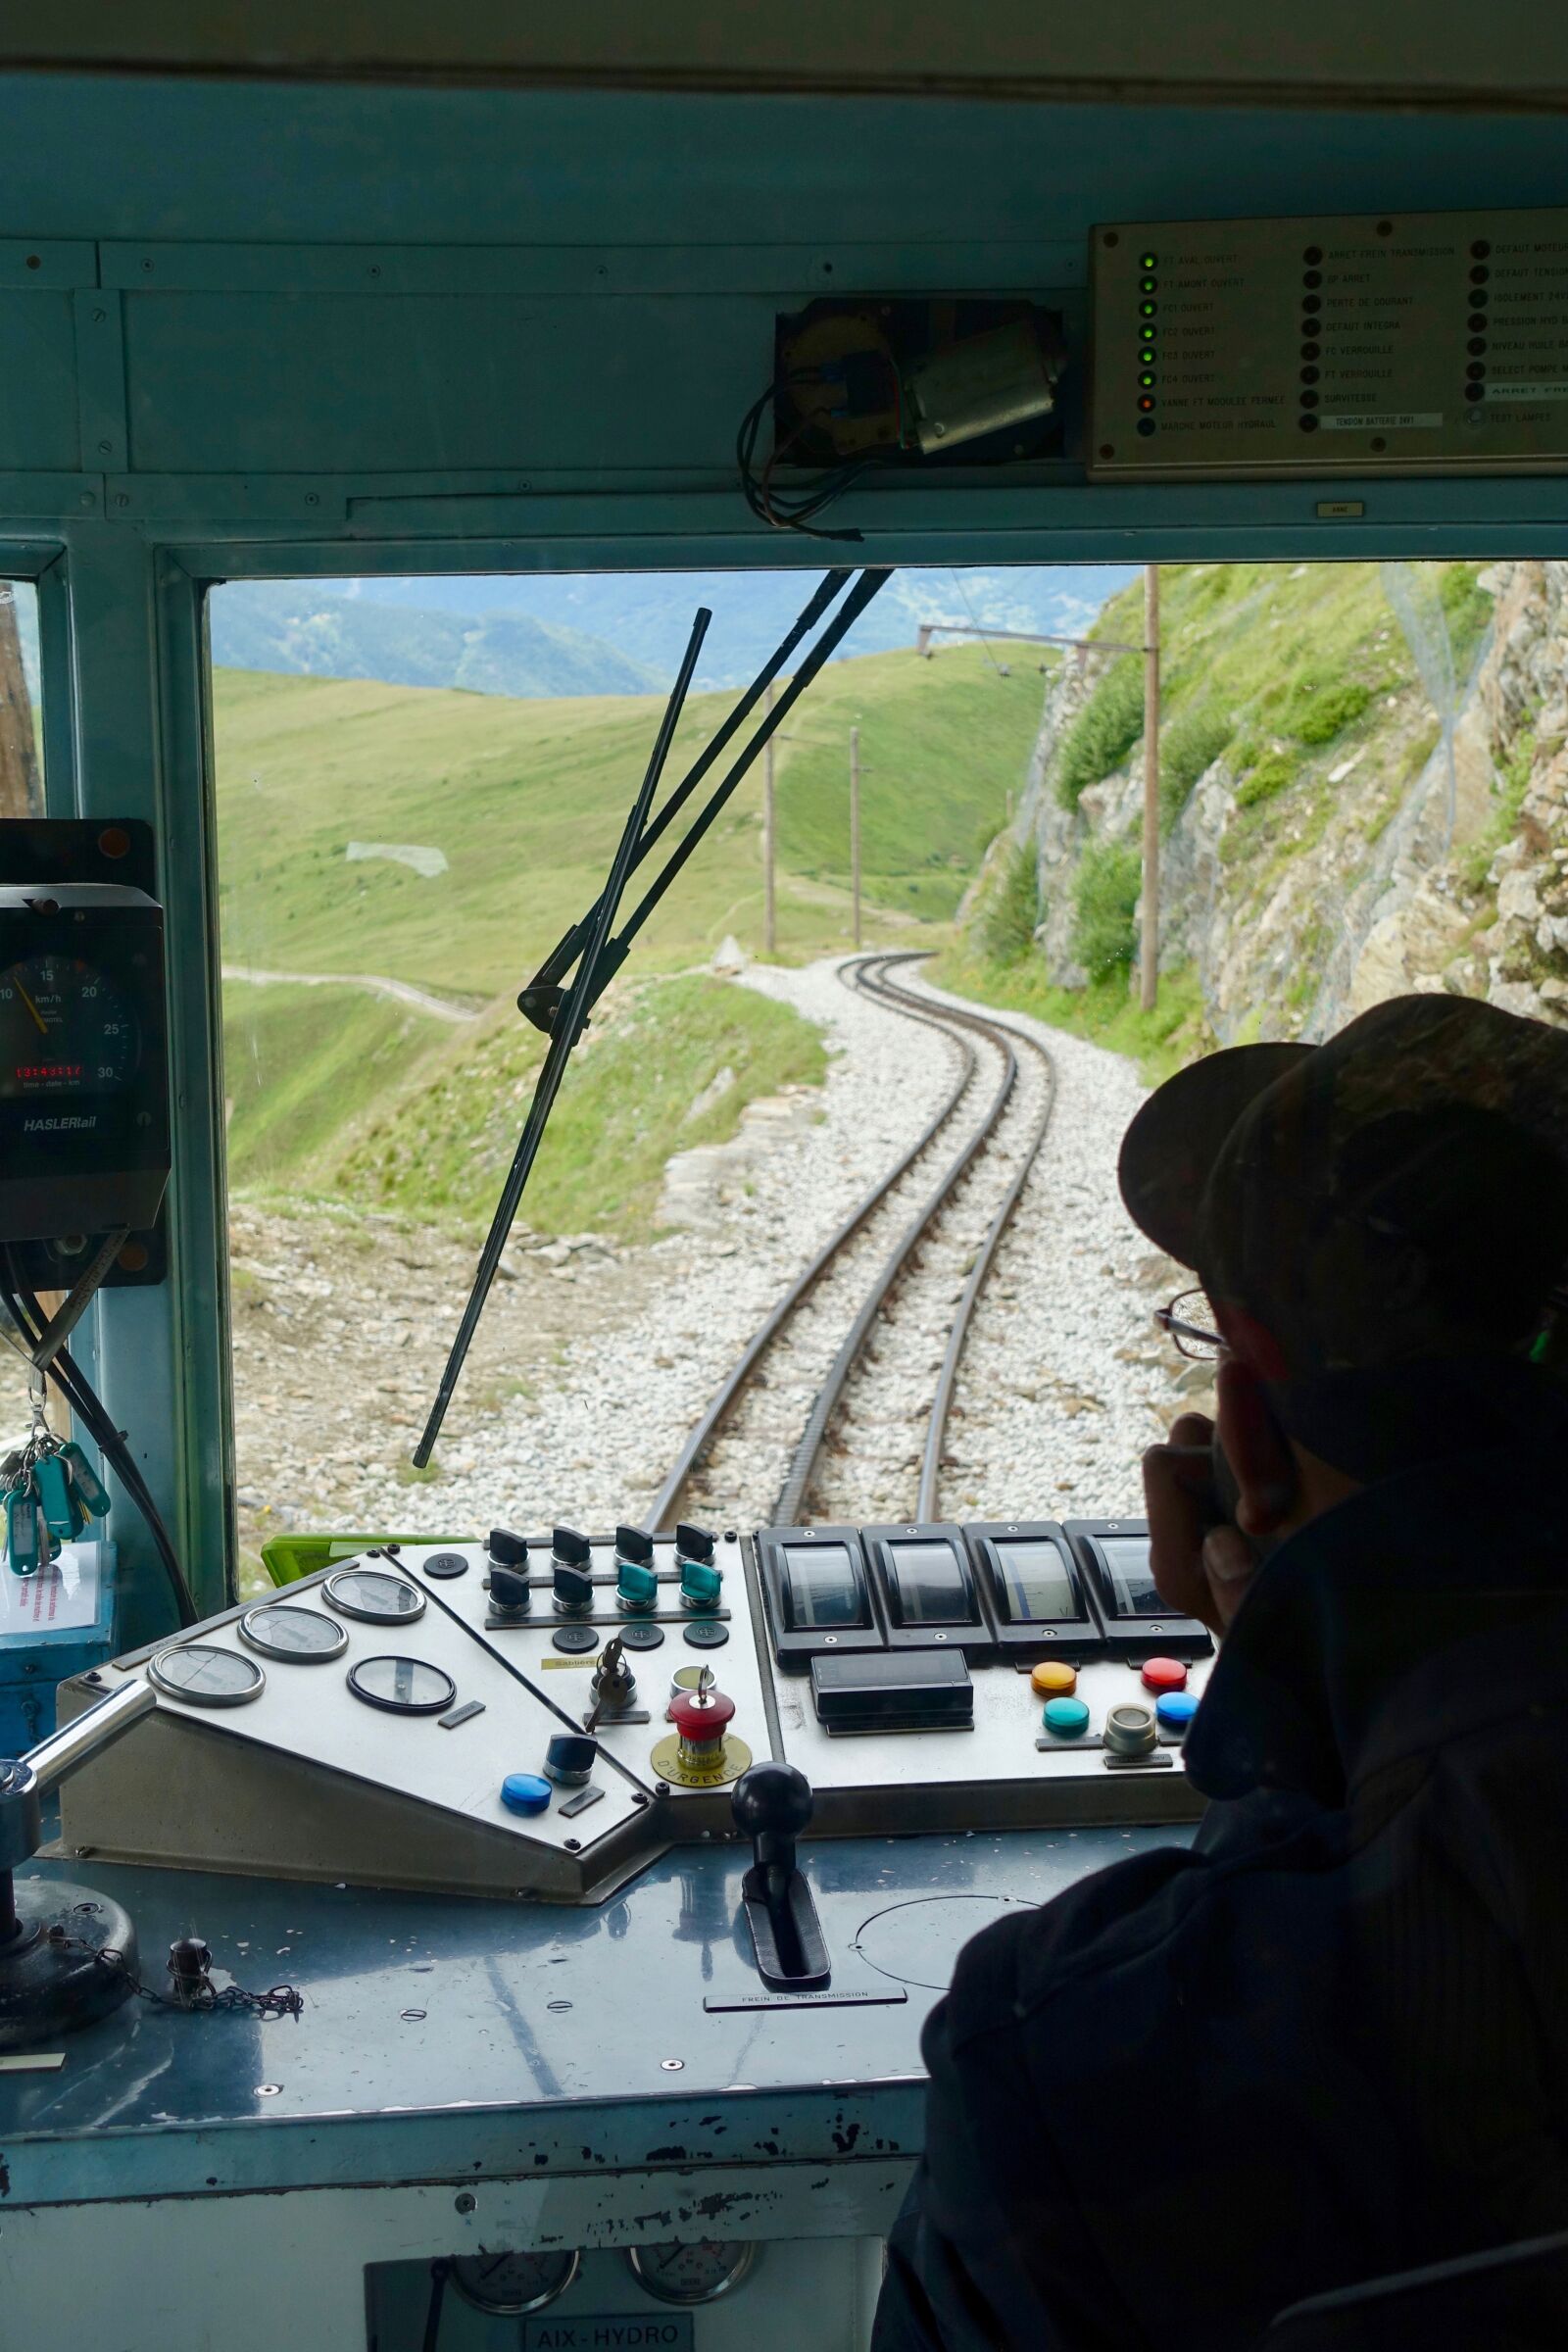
{"x":64,"y":1029}
{"x":694,"y":2271}
{"x":514,"y":2283}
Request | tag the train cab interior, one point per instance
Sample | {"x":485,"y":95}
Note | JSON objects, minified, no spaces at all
{"x":533,"y":1988}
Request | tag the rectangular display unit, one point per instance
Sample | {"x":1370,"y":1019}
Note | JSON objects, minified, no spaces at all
{"x":1037,"y":1594}
{"x":926,"y":1586}
{"x":1137,"y":1623}
{"x":817,"y":1593}
{"x":1371,"y":343}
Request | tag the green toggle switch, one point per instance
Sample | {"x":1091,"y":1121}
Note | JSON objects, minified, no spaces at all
{"x":636,"y":1586}
{"x":700,"y":1585}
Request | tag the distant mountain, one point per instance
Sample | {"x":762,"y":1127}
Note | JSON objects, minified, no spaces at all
{"x":647,"y":616}
{"x":316,"y":630}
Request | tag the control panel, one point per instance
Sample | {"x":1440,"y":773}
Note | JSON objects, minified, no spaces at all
{"x":543,"y":1714}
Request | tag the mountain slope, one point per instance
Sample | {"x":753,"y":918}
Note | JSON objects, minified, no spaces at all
{"x":649,"y":614}
{"x":310,"y":628}
{"x":1340,"y":766}
{"x":448,"y":839}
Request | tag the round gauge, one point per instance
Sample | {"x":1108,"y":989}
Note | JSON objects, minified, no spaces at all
{"x":64,"y":1029}
{"x":372,"y":1593}
{"x":692,"y":2271}
{"x":402,"y":1685}
{"x":514,"y":2283}
{"x":204,"y":1676}
{"x":283,"y":1630}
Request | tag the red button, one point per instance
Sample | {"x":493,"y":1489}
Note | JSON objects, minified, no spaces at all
{"x":697,"y":1722}
{"x":1164,"y":1674}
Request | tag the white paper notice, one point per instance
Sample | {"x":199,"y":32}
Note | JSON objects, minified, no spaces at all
{"x":59,"y":1599}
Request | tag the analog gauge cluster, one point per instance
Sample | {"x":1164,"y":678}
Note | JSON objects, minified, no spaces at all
{"x":679,"y":2272}
{"x":293,"y":1633}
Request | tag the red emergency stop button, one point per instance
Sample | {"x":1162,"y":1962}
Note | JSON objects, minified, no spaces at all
{"x":1164,"y":1674}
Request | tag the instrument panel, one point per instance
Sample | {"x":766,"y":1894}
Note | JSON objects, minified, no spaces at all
{"x":542,"y":1714}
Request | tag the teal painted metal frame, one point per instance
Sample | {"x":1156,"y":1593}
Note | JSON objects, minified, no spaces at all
{"x":123,"y":559}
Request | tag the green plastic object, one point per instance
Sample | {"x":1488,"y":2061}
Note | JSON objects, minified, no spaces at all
{"x":286,"y":1558}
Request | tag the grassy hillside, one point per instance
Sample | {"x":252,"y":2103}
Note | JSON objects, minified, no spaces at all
{"x":336,"y":1093}
{"x":525,"y":800}
{"x":1301,"y":682}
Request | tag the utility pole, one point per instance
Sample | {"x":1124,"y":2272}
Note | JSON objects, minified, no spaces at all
{"x":1149,"y":960}
{"x":854,"y":826}
{"x":769,"y":940}
{"x":20,"y":794}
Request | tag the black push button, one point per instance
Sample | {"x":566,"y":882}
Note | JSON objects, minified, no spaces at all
{"x":894,"y":1691}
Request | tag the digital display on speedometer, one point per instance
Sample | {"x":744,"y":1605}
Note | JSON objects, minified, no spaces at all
{"x":64,"y":1029}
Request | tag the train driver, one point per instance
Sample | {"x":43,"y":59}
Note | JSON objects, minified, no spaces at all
{"x":1330,"y":2040}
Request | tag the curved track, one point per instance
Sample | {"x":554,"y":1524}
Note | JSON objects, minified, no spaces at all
{"x":888,"y":1299}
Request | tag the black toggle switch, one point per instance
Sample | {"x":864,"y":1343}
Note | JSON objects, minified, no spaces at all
{"x":771,"y":1804}
{"x":509,"y":1549}
{"x":633,"y":1543}
{"x":569,"y":1758}
{"x":574,"y":1590}
{"x":694,"y":1543}
{"x":509,"y":1589}
{"x":565,"y":1543}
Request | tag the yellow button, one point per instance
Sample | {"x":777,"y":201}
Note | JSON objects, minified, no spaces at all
{"x":1052,"y":1677}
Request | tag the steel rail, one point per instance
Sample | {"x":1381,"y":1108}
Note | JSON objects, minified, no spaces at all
{"x":792,"y":1494}
{"x":872,"y":977}
{"x":717,"y":1413}
{"x":925,"y":1508}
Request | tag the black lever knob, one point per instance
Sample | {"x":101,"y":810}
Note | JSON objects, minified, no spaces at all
{"x":565,"y":1543}
{"x":509,"y":1589}
{"x":771,"y":1802}
{"x":633,"y":1543}
{"x":511,"y":1550}
{"x":694,"y":1543}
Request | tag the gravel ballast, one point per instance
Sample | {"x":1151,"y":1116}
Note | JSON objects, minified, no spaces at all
{"x":593,"y":1361}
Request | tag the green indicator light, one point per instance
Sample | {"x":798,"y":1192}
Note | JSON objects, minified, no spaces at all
{"x":1147,"y":334}
{"x":1146,"y":261}
{"x":1146,"y":383}
{"x":1150,"y":286}
{"x":1147,"y":310}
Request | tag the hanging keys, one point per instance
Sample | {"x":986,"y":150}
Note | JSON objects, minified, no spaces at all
{"x":26,"y":1532}
{"x":51,"y":1493}
{"x":84,"y":1479}
{"x":51,"y":1482}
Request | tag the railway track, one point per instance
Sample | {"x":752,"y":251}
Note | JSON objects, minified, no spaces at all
{"x":863,"y":1349}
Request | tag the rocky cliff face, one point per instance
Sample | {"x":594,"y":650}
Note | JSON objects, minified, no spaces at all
{"x":1402,"y":853}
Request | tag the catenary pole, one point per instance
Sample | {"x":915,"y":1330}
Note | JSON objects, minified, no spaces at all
{"x":1148,"y":959}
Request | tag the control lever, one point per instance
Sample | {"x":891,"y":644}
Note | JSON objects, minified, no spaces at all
{"x":772,"y":1804}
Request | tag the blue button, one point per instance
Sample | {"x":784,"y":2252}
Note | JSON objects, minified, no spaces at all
{"x":525,"y":1792}
{"x":1175,"y":1710}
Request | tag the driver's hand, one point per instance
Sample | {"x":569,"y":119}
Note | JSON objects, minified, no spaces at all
{"x":1202,"y":1563}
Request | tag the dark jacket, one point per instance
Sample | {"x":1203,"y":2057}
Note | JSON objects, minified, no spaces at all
{"x":1331,"y":2039}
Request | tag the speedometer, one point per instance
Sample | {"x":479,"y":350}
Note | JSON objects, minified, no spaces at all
{"x":64,"y":1029}
{"x":692,"y":2271}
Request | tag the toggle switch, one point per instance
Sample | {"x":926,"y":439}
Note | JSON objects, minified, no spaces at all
{"x":510,"y":1595}
{"x":569,"y":1759}
{"x":508,"y":1549}
{"x":573,"y":1590}
{"x":701,"y":1584}
{"x":636,"y":1580}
